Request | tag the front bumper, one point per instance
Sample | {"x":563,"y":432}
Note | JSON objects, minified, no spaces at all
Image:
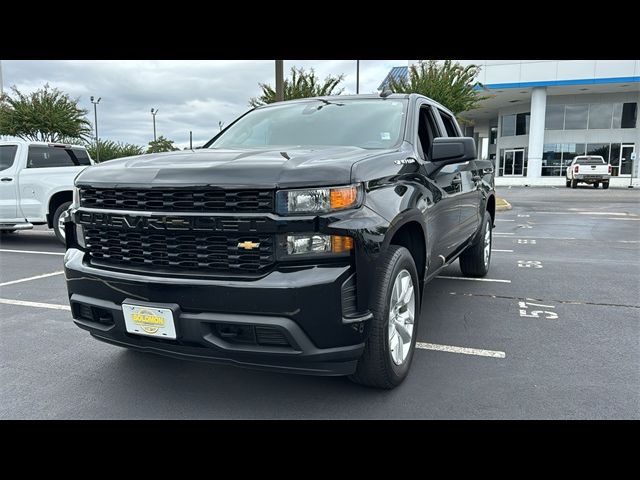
{"x":302,"y":305}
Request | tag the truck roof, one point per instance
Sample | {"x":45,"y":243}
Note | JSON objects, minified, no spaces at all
{"x":40,"y":144}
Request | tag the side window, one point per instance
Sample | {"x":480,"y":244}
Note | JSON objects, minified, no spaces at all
{"x":46,"y":157}
{"x":7,"y":156}
{"x":427,"y":131}
{"x":449,"y":125}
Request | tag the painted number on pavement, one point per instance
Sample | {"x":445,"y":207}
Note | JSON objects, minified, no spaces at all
{"x":529,"y":264}
{"x":526,"y":311}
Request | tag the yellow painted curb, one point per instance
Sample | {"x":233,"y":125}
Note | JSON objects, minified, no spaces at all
{"x":502,"y":204}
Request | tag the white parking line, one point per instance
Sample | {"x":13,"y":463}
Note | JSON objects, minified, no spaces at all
{"x":501,"y":233}
{"x":591,"y":213}
{"x":505,"y":251}
{"x":474,"y":279}
{"x":34,"y":304}
{"x":504,"y":220}
{"x":32,"y":278}
{"x":30,"y":251}
{"x":467,"y":351}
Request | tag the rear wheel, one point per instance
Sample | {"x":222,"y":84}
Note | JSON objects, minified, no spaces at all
{"x":574,"y":183}
{"x":567,"y":183}
{"x":395,"y":306}
{"x":605,"y":185}
{"x":475,"y":260}
{"x":58,"y":223}
{"x":596,"y":185}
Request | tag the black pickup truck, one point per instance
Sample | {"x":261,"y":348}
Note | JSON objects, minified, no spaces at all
{"x":300,"y":238}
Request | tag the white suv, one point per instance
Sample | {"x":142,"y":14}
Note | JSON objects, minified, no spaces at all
{"x":36,"y":183}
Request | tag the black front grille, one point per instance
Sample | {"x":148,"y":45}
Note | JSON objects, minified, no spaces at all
{"x":178,"y":199}
{"x":187,"y":252}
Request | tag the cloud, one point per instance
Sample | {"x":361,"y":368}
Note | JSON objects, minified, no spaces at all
{"x":190,"y":95}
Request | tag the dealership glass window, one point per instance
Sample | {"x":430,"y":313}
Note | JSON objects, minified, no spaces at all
{"x":493,"y":135}
{"x":629,"y":114}
{"x":575,"y":117}
{"x":554,"y":117}
{"x":600,"y":115}
{"x":551,"y":159}
{"x":601,"y":149}
{"x":617,"y":115}
{"x":508,"y":126}
{"x":522,"y":123}
{"x":614,"y":159}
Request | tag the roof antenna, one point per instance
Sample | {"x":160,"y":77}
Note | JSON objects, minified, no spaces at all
{"x":386,"y":92}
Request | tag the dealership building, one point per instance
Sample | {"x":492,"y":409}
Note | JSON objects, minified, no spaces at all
{"x":540,"y":114}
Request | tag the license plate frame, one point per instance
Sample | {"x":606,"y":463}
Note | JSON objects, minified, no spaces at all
{"x":150,"y":319}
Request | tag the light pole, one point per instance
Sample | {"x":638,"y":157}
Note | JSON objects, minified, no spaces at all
{"x":154,"y":112}
{"x":357,"y":77}
{"x":95,"y":116}
{"x":279,"y":80}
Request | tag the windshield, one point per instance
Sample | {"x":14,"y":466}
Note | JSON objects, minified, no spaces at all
{"x":365,"y":123}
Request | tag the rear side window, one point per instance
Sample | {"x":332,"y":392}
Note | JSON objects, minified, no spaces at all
{"x":7,"y":156}
{"x":45,"y":157}
{"x":449,"y":125}
{"x":590,"y":161}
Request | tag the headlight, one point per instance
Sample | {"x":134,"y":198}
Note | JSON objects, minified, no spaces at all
{"x":318,"y":200}
{"x":313,"y":245}
{"x":76,"y":198}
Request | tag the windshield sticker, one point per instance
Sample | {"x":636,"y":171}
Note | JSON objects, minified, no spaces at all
{"x":385,"y":136}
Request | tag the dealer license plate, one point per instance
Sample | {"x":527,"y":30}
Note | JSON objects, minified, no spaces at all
{"x":150,"y":321}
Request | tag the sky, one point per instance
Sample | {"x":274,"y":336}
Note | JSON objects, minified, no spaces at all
{"x":189,"y":95}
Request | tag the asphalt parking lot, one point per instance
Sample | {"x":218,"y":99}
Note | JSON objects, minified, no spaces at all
{"x":552,"y":332}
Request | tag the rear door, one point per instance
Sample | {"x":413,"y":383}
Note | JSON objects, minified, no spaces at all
{"x":8,"y":182}
{"x":467,"y":187}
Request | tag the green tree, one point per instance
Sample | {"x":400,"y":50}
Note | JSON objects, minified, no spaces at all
{"x":302,"y":84}
{"x":110,"y":150}
{"x":46,"y":115}
{"x":448,"y":83}
{"x":161,"y":145}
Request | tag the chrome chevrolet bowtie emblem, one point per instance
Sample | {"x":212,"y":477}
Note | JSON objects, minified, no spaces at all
{"x":248,"y":245}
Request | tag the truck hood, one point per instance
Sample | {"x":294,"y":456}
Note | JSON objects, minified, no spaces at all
{"x":257,"y":168}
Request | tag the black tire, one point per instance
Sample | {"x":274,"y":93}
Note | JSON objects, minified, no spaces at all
{"x":376,"y":367}
{"x":567,"y":183}
{"x":3,"y":232}
{"x":605,"y":185}
{"x":574,"y":183}
{"x":472,"y":261}
{"x":56,"y":218}
{"x":596,"y":185}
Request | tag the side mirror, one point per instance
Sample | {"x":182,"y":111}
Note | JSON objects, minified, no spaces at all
{"x":448,"y":150}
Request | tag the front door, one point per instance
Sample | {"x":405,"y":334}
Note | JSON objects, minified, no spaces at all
{"x":626,"y":163}
{"x":513,"y":162}
{"x":8,"y":183}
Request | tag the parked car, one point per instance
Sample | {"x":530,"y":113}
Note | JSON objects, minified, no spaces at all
{"x":591,"y":169}
{"x":36,"y":183}
{"x":300,"y":238}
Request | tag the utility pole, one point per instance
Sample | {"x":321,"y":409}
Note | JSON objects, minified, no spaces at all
{"x":95,"y":116}
{"x":357,"y":77}
{"x":279,"y":80}
{"x":190,"y":140}
{"x":153,"y":113}
{"x":1,"y":83}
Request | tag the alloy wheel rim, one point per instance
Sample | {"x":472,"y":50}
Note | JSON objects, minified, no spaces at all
{"x":61,"y":226}
{"x":402,"y":309}
{"x":487,"y":245}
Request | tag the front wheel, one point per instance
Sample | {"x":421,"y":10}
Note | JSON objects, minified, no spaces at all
{"x":596,"y":185}
{"x":58,"y":222}
{"x":567,"y":183}
{"x":395,"y":306}
{"x":475,"y":260}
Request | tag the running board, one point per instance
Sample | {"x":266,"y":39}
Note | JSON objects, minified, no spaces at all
{"x":16,"y":226}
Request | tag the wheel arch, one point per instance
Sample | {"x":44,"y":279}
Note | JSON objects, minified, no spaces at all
{"x":57,"y":199}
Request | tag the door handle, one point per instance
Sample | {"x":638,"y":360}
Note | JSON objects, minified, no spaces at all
{"x":6,"y":179}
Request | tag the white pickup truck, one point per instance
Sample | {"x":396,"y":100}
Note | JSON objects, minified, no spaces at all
{"x":588,"y":169}
{"x":36,"y":183}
